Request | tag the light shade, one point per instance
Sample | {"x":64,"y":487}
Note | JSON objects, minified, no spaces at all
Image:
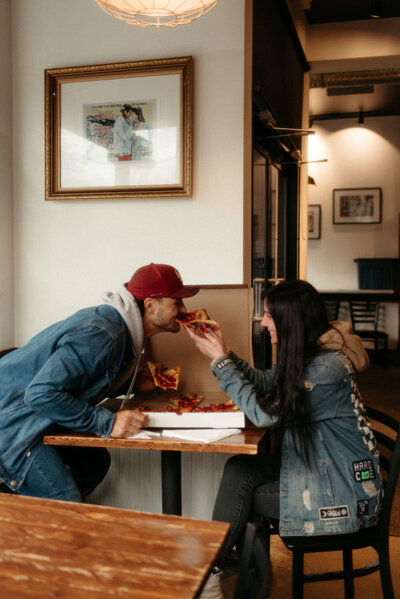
{"x":145,"y":13}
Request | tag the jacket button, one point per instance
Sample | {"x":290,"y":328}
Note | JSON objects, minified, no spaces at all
{"x":13,"y":483}
{"x":28,"y":454}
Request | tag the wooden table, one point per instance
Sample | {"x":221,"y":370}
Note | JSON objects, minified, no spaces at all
{"x":68,"y":550}
{"x":249,"y":441}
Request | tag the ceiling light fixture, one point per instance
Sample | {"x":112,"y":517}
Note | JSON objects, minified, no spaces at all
{"x":146,"y":13}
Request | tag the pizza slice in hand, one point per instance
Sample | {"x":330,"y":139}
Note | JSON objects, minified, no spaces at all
{"x":165,"y":378}
{"x":197,"y":317}
{"x":186,"y":402}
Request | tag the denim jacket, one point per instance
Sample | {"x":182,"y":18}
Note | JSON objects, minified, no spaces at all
{"x":54,"y":378}
{"x":341,"y":489}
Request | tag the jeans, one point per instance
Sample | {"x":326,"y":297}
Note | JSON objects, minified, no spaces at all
{"x":66,"y":473}
{"x":249,"y":489}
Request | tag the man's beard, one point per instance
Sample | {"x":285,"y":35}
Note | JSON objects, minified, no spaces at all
{"x":173,"y":328}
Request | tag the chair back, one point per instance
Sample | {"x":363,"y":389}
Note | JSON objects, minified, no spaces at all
{"x":254,"y":570}
{"x":332,"y":309}
{"x":386,"y":430}
{"x":364,"y":312}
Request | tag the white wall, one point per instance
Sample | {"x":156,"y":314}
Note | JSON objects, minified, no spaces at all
{"x":358,"y":156}
{"x":67,"y":253}
{"x":353,"y":39}
{"x":6,"y":196}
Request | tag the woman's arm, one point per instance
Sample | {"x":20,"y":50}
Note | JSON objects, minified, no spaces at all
{"x":245,"y":385}
{"x":260,"y":378}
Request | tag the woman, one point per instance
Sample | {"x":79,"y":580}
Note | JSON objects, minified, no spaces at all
{"x":326,"y":479}
{"x":142,"y":146}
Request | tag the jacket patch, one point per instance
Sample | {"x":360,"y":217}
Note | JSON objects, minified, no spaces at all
{"x":362,"y":507}
{"x":333,"y":512}
{"x":224,"y":362}
{"x":363,"y":470}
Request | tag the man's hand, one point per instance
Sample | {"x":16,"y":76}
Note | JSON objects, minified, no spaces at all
{"x":127,"y":423}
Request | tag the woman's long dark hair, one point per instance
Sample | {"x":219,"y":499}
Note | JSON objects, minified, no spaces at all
{"x":300,"y":319}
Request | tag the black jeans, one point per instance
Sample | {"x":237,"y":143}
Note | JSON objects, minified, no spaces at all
{"x":249,"y":489}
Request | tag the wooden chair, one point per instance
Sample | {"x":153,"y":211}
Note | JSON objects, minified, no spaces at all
{"x":376,"y":537}
{"x":254,"y":569}
{"x":332,"y":309}
{"x":367,"y":313}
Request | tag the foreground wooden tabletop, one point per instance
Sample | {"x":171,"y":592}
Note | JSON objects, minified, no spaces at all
{"x":67,"y":550}
{"x":248,"y":441}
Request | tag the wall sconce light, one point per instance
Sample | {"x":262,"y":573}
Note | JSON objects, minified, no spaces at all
{"x":376,"y":9}
{"x":146,"y":13}
{"x":361,"y":118}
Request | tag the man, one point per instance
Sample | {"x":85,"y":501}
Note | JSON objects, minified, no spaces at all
{"x":123,"y":133}
{"x":62,"y":374}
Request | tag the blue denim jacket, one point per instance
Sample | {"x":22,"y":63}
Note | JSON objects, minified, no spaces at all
{"x":341,"y":490}
{"x":52,"y":380}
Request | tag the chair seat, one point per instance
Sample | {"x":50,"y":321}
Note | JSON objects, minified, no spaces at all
{"x":371,"y":334}
{"x":362,"y":538}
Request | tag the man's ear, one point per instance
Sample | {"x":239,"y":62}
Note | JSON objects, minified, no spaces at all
{"x":149,"y":304}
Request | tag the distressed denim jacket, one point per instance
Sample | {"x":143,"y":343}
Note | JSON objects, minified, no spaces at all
{"x":341,"y":490}
{"x":53,"y":379}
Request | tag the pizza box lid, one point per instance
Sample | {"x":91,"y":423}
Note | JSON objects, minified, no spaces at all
{"x":161,"y":419}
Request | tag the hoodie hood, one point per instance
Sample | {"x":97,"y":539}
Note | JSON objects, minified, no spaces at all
{"x":341,"y":338}
{"x":126,"y":306}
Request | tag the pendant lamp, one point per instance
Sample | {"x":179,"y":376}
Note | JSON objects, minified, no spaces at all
{"x":168,"y":13}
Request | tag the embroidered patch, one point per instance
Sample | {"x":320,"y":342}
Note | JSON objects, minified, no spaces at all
{"x":224,"y":363}
{"x":362,"y":507}
{"x":336,"y":511}
{"x":363,"y":470}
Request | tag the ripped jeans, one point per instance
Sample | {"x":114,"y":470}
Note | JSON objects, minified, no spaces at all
{"x":249,"y":489}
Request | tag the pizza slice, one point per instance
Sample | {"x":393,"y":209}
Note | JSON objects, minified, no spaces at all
{"x":186,"y":402}
{"x":228,"y":406}
{"x":197,"y":317}
{"x":165,"y":378}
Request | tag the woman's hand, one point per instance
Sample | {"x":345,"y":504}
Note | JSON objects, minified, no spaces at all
{"x":210,"y":341}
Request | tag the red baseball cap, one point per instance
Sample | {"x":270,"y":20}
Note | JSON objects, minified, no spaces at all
{"x":159,"y":280}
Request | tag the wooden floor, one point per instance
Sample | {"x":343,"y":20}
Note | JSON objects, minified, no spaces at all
{"x":380,"y":388}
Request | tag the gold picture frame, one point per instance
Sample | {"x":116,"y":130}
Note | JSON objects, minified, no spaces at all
{"x":96,"y":148}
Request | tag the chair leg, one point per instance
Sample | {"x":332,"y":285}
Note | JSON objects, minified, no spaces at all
{"x":384,"y":571}
{"x":297,"y":575}
{"x":348,"y":573}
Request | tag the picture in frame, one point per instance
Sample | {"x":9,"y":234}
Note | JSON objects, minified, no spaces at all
{"x":314,"y":221}
{"x":120,"y":130}
{"x":357,"y":206}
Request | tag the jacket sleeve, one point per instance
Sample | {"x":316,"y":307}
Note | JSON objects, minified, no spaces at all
{"x":73,"y":367}
{"x":245,"y":386}
{"x":260,"y":378}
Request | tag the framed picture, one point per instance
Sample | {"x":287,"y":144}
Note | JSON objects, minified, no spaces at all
{"x":120,"y":130}
{"x":314,"y":221}
{"x":357,"y":206}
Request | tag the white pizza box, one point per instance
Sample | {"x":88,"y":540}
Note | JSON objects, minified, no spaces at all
{"x":161,"y":419}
